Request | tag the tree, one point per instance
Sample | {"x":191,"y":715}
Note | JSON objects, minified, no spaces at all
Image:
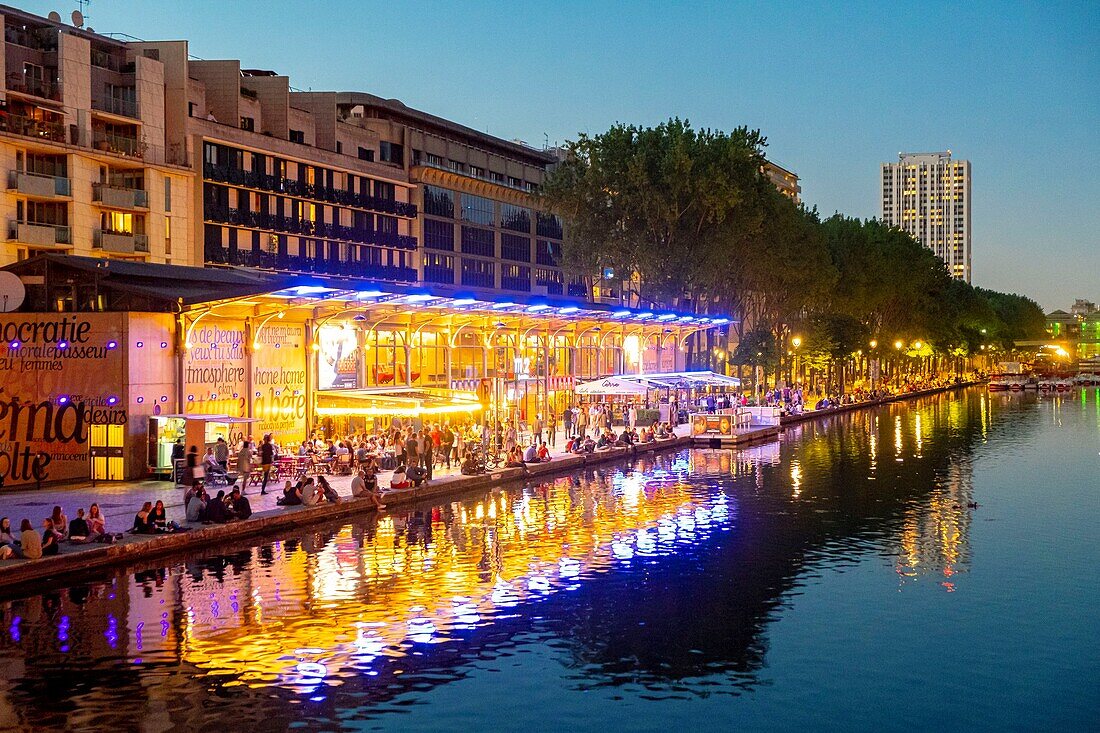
{"x":656,"y":205}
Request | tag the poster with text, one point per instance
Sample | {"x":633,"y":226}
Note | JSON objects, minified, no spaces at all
{"x":279,"y":382}
{"x":214,"y":373}
{"x":60,"y":373}
{"x":338,"y":358}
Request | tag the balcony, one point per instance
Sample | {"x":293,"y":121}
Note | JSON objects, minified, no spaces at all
{"x":30,"y":127}
{"x":116,"y":106}
{"x":41,"y":88}
{"x":274,"y":184}
{"x":290,"y":225}
{"x":119,"y":242}
{"x":111,"y":62}
{"x":38,"y":185}
{"x":217,"y":255}
{"x":112,"y":143}
{"x":35,"y":233}
{"x":118,"y":197}
{"x":40,"y":39}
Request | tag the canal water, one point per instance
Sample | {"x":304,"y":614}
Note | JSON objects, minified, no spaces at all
{"x":839,"y":579}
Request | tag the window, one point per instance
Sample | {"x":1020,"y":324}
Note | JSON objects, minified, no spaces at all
{"x":552,"y":280}
{"x":190,"y":109}
{"x":366,"y":154}
{"x":477,"y":210}
{"x":167,"y":193}
{"x":516,"y":218}
{"x":496,"y":177}
{"x":117,"y":221}
{"x":439,"y":234}
{"x":439,"y":268}
{"x":513,"y":247}
{"x":545,"y":252}
{"x":548,"y":225}
{"x":478,"y":273}
{"x":298,"y":136}
{"x":515,"y":277}
{"x":477,"y":172}
{"x":431,"y":159}
{"x":514,"y":182}
{"x":167,"y":235}
{"x":478,"y":242}
{"x":456,"y":166}
{"x":248,"y":123}
{"x":339,"y":147}
{"x":439,"y":202}
{"x":384,"y":190}
{"x":391,"y":153}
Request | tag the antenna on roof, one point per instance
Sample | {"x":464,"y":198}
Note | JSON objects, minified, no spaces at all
{"x":54,"y":16}
{"x":78,"y":19}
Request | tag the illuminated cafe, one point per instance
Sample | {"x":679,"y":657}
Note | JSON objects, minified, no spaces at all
{"x":170,"y":352}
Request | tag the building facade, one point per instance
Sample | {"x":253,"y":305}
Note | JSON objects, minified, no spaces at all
{"x":82,"y":142}
{"x":928,"y":196}
{"x":784,"y":180}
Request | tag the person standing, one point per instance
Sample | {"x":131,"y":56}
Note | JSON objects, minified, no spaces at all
{"x":221,"y":453}
{"x":267,"y":461}
{"x":567,"y":421}
{"x":427,"y":457}
{"x":552,"y":427}
{"x":412,"y":448}
{"x":582,"y":422}
{"x":447,"y":443}
{"x":632,"y":416}
{"x":244,"y":463}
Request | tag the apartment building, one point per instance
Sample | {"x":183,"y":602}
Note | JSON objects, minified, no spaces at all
{"x":274,"y":190}
{"x":83,"y":148}
{"x":478,"y":222}
{"x":928,"y":196}
{"x":784,"y":180}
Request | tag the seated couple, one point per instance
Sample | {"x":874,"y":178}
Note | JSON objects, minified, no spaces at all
{"x":406,"y":478}
{"x":308,"y":492}
{"x":364,"y":485}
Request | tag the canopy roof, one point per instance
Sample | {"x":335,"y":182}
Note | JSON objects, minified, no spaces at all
{"x":684,"y":380}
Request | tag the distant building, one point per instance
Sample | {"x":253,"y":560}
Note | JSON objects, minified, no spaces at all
{"x":928,"y":196}
{"x":786,"y":181}
{"x":1083,"y":307}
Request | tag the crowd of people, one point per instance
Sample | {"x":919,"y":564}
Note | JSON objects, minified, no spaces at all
{"x":29,"y":544}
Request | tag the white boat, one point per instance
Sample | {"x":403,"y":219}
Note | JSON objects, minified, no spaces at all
{"x":1007,"y":383}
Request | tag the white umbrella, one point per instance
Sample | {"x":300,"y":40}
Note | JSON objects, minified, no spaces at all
{"x":612,"y":386}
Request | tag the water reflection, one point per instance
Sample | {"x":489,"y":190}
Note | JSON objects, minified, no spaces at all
{"x":664,"y":573}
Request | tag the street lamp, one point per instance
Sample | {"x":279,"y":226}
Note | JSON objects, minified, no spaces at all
{"x":874,"y":344}
{"x":898,"y":344}
{"x":796,"y":341}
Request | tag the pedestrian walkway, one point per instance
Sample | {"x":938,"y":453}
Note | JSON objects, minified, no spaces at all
{"x":119,"y":502}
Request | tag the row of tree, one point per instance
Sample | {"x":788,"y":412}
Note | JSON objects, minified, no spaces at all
{"x":687,"y":219}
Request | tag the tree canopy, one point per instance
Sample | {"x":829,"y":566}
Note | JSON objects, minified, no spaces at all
{"x":687,"y":218}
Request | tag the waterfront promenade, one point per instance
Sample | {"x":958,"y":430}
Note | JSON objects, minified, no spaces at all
{"x":120,"y":502}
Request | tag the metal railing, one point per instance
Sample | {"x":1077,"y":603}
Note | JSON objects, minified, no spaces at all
{"x":118,"y":144}
{"x":39,"y":184}
{"x":31,"y":127}
{"x":217,"y":255}
{"x":111,"y":62}
{"x":34,"y":232}
{"x":120,"y":196}
{"x":43,"y":88}
{"x":274,"y":184}
{"x":40,"y":39}
{"x":116,"y":106}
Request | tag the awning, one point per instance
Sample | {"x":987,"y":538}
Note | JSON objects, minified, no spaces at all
{"x":394,"y":402}
{"x":684,"y":380}
{"x":612,"y":386}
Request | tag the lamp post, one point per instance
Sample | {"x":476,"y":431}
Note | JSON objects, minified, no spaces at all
{"x":796,"y":341}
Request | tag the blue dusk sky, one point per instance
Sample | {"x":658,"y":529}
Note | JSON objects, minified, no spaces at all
{"x":837,"y":88}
